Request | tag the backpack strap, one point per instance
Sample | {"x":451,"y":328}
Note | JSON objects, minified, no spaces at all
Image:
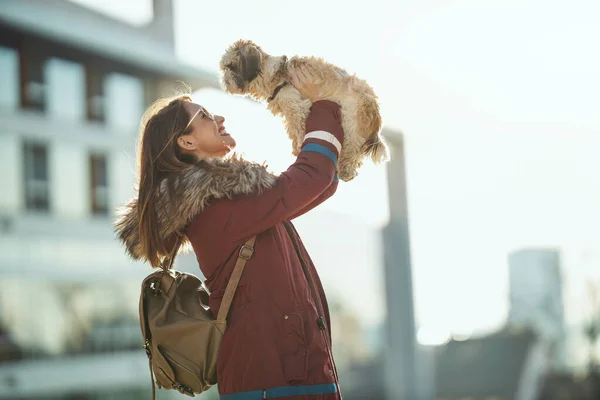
{"x":245,"y":253}
{"x":169,"y":260}
{"x":152,"y":379}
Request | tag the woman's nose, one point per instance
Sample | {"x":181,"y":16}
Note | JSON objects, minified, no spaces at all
{"x":220,"y":119}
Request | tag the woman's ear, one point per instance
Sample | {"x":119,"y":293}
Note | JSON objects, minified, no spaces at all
{"x":186,"y":143}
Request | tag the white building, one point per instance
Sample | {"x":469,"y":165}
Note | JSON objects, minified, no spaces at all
{"x":73,"y":85}
{"x":536,"y":298}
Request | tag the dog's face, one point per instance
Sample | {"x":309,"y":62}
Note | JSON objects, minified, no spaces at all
{"x":240,"y":65}
{"x":247,"y":69}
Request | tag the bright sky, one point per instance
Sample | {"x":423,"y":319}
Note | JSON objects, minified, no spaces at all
{"x":499,"y":103}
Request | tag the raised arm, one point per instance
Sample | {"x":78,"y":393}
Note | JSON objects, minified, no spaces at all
{"x":301,"y":186}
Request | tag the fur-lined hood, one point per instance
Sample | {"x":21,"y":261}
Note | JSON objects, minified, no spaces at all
{"x":183,"y":196}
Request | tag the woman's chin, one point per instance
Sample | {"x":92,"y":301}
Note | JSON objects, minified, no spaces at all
{"x":230,"y":143}
{"x":229,"y":147}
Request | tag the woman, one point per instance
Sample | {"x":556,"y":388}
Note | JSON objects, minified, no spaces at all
{"x":278,"y":337}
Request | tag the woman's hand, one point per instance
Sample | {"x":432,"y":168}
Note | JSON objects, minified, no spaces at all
{"x":303,"y":79}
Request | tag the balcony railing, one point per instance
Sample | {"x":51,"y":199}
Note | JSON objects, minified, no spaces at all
{"x":100,"y":339}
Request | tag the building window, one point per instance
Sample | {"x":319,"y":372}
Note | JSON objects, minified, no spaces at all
{"x":95,"y":94}
{"x":98,"y":184}
{"x":65,"y":89}
{"x":123,"y":100}
{"x":9,"y":78}
{"x":33,"y":89}
{"x":36,"y":177}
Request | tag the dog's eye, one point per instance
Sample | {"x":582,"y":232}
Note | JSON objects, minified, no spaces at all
{"x":229,"y":66}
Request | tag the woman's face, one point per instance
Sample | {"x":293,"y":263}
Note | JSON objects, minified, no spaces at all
{"x":206,"y":137}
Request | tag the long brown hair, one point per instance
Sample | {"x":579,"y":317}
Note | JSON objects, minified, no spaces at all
{"x":158,"y":156}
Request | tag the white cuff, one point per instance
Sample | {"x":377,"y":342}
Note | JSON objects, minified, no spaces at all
{"x":325,"y":136}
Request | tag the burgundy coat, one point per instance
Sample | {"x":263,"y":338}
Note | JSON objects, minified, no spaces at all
{"x":277,"y":341}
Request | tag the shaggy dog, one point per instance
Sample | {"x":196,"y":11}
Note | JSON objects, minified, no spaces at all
{"x":246,"y":69}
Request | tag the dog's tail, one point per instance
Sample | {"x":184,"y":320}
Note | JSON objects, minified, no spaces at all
{"x":369,"y":119}
{"x":377,"y":149}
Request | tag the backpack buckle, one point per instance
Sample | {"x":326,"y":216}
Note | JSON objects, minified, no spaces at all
{"x":154,"y":287}
{"x":146,"y":347}
{"x":183,"y":389}
{"x":246,"y":252}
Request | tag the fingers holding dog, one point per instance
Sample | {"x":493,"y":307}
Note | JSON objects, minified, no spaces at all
{"x":303,"y":79}
{"x":294,"y":80}
{"x":304,"y":73}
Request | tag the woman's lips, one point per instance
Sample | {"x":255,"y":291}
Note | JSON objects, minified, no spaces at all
{"x":223,"y":132}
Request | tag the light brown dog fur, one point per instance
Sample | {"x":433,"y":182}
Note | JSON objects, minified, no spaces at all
{"x":246,"y":69}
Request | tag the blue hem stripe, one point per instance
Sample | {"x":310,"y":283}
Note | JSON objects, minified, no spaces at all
{"x":335,"y":178}
{"x":317,"y":148}
{"x":283,"y":391}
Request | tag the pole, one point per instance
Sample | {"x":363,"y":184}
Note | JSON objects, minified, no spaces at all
{"x":401,"y":355}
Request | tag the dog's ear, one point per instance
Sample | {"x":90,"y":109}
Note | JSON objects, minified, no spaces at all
{"x":251,"y":61}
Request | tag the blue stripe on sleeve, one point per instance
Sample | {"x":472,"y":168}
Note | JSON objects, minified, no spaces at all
{"x":317,"y":148}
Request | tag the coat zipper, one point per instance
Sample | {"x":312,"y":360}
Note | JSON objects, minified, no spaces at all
{"x":321,"y":320}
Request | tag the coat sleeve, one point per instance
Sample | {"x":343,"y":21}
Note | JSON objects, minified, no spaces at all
{"x":305,"y":184}
{"x":321,"y":199}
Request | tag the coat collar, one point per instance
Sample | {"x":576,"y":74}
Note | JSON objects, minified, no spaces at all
{"x":184,"y":195}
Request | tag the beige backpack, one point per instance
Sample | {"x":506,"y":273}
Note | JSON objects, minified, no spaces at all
{"x":181,"y":335}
